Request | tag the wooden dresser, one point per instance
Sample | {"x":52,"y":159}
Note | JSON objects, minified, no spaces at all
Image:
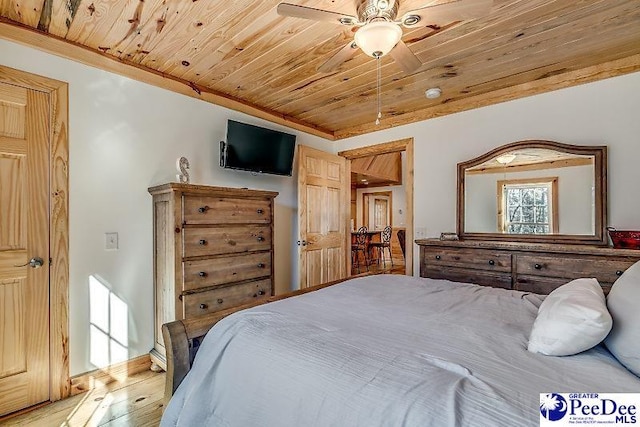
{"x":213,"y":249}
{"x":538,"y":268}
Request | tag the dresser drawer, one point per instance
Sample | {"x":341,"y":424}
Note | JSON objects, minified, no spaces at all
{"x":545,"y":285}
{"x":478,"y":277}
{"x":481,"y":259}
{"x":606,"y":270}
{"x":217,"y":271}
{"x":225,"y":297}
{"x":225,"y":210}
{"x":203,"y":241}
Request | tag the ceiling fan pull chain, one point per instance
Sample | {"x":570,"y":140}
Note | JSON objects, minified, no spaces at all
{"x":378,"y":60}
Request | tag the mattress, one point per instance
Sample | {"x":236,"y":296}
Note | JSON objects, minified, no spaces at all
{"x":384,"y":351}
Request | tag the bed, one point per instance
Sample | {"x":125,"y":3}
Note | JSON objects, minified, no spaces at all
{"x":378,"y":351}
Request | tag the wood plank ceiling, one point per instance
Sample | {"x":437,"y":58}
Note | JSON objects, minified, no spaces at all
{"x":244,"y":52}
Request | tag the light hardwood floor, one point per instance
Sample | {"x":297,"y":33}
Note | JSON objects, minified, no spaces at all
{"x":137,"y":401}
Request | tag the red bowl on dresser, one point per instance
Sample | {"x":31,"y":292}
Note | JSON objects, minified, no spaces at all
{"x":624,"y":239}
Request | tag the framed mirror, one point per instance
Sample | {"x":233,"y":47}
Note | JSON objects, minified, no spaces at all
{"x":535,"y":191}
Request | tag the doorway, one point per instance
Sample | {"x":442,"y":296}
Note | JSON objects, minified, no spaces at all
{"x":377,"y":209}
{"x":34,"y":246}
{"x":367,"y":202}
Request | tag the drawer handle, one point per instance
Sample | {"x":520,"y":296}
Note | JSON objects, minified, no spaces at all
{"x":202,"y":274}
{"x":203,"y":209}
{"x":619,"y":273}
{"x":220,"y":301}
{"x":260,"y":211}
{"x":537,"y":266}
{"x":260,"y":292}
{"x":260,"y":239}
{"x":438,"y":257}
{"x":492,"y":262}
{"x":202,"y":242}
{"x":260,"y":265}
{"x":203,"y":306}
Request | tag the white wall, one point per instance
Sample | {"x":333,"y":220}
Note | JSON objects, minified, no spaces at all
{"x":576,"y":204}
{"x":124,"y":137}
{"x":599,"y":113}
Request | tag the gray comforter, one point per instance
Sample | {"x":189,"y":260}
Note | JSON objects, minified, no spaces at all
{"x":384,"y":351}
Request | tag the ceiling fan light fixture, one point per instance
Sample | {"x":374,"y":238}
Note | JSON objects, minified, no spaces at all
{"x":377,"y":38}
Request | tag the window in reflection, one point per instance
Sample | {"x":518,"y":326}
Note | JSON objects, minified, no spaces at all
{"x":528,"y":206}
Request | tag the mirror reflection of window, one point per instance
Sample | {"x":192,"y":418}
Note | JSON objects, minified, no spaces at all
{"x":528,"y":206}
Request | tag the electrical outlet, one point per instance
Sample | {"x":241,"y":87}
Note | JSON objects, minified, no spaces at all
{"x":111,"y":241}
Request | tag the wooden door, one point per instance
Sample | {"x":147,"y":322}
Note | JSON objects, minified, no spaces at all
{"x":323,"y":206}
{"x":24,"y":235}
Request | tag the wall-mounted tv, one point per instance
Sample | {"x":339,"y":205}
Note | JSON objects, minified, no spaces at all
{"x":257,"y":149}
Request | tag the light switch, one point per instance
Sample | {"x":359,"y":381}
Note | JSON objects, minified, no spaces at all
{"x":111,"y":241}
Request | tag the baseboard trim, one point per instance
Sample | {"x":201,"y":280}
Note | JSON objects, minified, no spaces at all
{"x":116,"y":372}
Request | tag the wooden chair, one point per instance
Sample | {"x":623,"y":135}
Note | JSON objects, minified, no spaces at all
{"x":385,"y":243}
{"x":360,"y":245}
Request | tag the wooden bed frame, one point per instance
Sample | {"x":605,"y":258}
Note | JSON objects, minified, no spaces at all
{"x":182,"y":337}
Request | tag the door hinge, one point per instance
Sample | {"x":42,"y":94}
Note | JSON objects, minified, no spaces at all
{"x":50,"y":262}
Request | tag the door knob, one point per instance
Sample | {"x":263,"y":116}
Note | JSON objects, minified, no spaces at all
{"x":35,"y":262}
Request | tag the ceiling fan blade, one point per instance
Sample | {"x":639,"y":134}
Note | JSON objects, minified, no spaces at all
{"x":336,"y":60}
{"x":295,"y":11}
{"x":441,"y":14}
{"x":405,"y":58}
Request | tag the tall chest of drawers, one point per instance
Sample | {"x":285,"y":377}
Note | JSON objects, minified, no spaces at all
{"x":538,"y":268}
{"x":212,"y":248}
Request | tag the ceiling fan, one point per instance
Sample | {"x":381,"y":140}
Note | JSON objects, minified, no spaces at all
{"x":380,"y":31}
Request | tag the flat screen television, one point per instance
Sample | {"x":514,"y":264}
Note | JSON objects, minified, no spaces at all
{"x":257,"y":149}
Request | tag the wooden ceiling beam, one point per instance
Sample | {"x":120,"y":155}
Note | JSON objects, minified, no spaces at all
{"x":586,"y":75}
{"x":60,"y":47}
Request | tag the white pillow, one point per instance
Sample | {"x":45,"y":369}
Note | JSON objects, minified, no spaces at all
{"x":624,"y":304}
{"x":573,"y":318}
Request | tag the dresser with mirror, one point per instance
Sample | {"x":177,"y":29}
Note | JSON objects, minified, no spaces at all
{"x":531,"y":215}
